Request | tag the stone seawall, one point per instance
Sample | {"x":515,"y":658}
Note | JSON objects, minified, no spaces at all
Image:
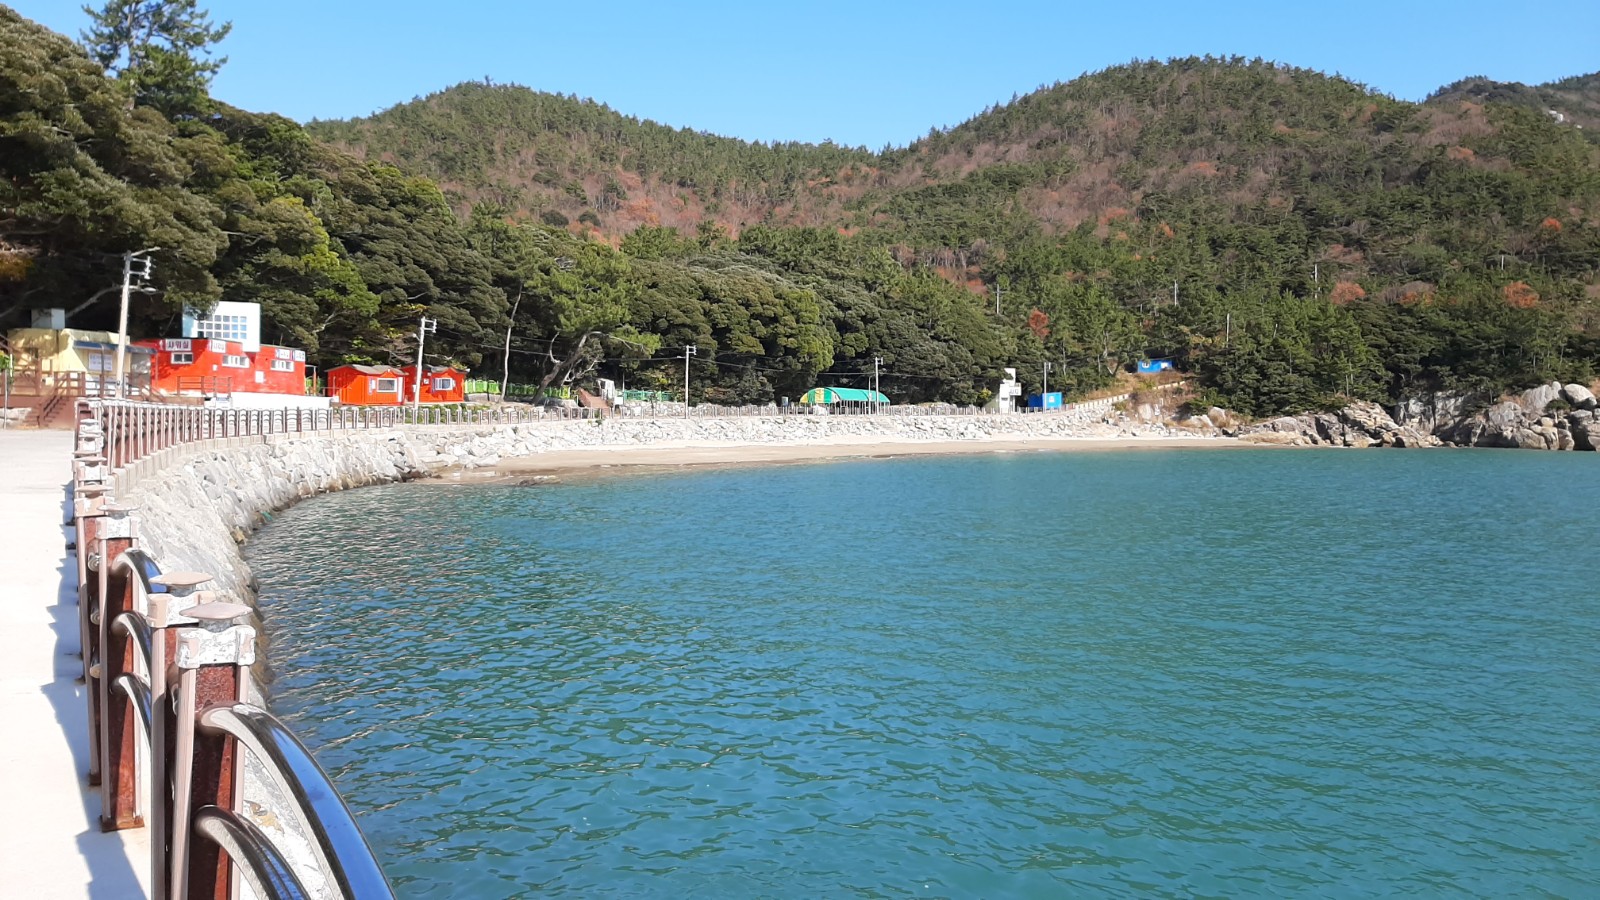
{"x":198,"y":502}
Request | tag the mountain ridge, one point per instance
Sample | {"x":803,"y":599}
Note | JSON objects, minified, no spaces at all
{"x":579,"y":164}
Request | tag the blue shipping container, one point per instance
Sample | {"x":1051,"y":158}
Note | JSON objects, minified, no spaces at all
{"x":1051,"y":400}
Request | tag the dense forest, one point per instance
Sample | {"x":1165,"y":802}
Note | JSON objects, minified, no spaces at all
{"x":1289,"y":238}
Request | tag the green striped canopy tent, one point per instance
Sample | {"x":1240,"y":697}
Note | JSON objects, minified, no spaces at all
{"x":823,"y":396}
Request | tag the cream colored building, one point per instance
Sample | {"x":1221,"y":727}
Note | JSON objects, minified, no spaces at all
{"x":52,"y":359}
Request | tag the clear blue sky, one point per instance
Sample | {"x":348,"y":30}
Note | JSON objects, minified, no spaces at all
{"x":862,"y":73}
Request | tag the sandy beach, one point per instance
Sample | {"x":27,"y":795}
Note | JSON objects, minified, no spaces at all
{"x":675,"y":455}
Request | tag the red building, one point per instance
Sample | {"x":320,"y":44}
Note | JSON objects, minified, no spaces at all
{"x":440,"y":384}
{"x":355,"y":385}
{"x":215,"y":367}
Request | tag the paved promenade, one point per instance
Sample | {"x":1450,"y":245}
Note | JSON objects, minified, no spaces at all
{"x":50,"y":840}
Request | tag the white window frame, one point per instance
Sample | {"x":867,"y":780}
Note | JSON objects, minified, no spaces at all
{"x":181,"y":358}
{"x":392,"y":388}
{"x":444,"y":384}
{"x":234,"y":361}
{"x":282,"y":365}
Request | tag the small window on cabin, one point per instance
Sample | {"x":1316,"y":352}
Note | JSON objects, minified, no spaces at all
{"x":386,"y":385}
{"x":282,"y":365}
{"x":444,"y":384}
{"x":236,"y":362}
{"x":182,"y":359}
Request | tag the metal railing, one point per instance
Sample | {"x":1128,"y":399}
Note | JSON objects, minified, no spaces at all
{"x":166,"y":669}
{"x":133,"y":430}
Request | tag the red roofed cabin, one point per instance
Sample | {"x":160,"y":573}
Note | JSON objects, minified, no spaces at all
{"x":355,"y":385}
{"x":214,"y":366}
{"x":440,"y":384}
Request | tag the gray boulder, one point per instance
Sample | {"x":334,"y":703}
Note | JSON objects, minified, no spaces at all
{"x":1434,"y":413}
{"x":1530,"y":439}
{"x":1564,"y":438}
{"x":1368,"y":417}
{"x":1536,"y":399}
{"x":1585,"y":434}
{"x":1222,"y":418}
{"x":1579,"y":396}
{"x":1406,"y":436}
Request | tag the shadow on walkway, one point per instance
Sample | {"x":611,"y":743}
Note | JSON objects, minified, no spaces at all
{"x":111,"y":873}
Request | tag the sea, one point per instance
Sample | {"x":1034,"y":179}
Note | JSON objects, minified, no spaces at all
{"x":1143,"y":673}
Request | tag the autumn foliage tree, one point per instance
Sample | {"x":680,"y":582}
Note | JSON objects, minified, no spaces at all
{"x":1519,"y":295}
{"x":1039,"y":324}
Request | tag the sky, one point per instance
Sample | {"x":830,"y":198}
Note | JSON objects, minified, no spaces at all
{"x":860,"y":74}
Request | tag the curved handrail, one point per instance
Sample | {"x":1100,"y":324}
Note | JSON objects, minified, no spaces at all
{"x":138,"y":690}
{"x":342,"y":850}
{"x":138,"y":631}
{"x":259,"y":861}
{"x":143,"y":566}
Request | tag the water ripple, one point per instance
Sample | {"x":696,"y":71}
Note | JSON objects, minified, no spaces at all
{"x":1149,"y":674}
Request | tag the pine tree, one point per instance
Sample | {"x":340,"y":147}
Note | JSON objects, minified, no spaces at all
{"x":159,"y":49}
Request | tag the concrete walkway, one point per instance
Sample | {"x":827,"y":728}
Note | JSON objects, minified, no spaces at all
{"x":50,"y":840}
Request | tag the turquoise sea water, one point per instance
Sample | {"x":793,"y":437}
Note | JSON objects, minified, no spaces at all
{"x":1152,"y":673}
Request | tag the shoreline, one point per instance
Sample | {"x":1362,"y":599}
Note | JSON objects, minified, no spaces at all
{"x":678,"y":456}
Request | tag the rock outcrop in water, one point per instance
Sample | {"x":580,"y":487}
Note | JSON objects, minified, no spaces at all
{"x":1551,"y":416}
{"x":1361,"y":424}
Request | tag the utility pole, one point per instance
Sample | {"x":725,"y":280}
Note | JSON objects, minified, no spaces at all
{"x":877,"y":361}
{"x":507,"y":382}
{"x":1228,"y":340}
{"x":1044,"y":395}
{"x":1174,"y":293}
{"x":690,"y":350}
{"x":997,"y":293}
{"x":426,"y":327}
{"x":122,"y":317}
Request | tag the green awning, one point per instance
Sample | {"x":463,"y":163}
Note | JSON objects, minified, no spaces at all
{"x":819,"y":396}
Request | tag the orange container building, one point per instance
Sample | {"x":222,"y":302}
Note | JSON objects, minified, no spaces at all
{"x":356,"y":385}
{"x":440,"y":384}
{"x":215,"y":367}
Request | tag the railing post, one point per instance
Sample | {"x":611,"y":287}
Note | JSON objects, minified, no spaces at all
{"x":166,"y":610}
{"x":211,"y":661}
{"x":87,"y":502}
{"x":120,"y":769}
{"x":112,"y":538}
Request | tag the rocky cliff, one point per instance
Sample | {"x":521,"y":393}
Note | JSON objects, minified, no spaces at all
{"x":1551,"y":416}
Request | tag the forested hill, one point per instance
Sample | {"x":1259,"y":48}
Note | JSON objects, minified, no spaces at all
{"x":565,"y":160}
{"x":1574,"y":101}
{"x":1289,"y":239}
{"x":1231,"y":133}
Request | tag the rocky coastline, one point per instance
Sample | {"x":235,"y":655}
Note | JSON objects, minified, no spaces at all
{"x":1551,"y":416}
